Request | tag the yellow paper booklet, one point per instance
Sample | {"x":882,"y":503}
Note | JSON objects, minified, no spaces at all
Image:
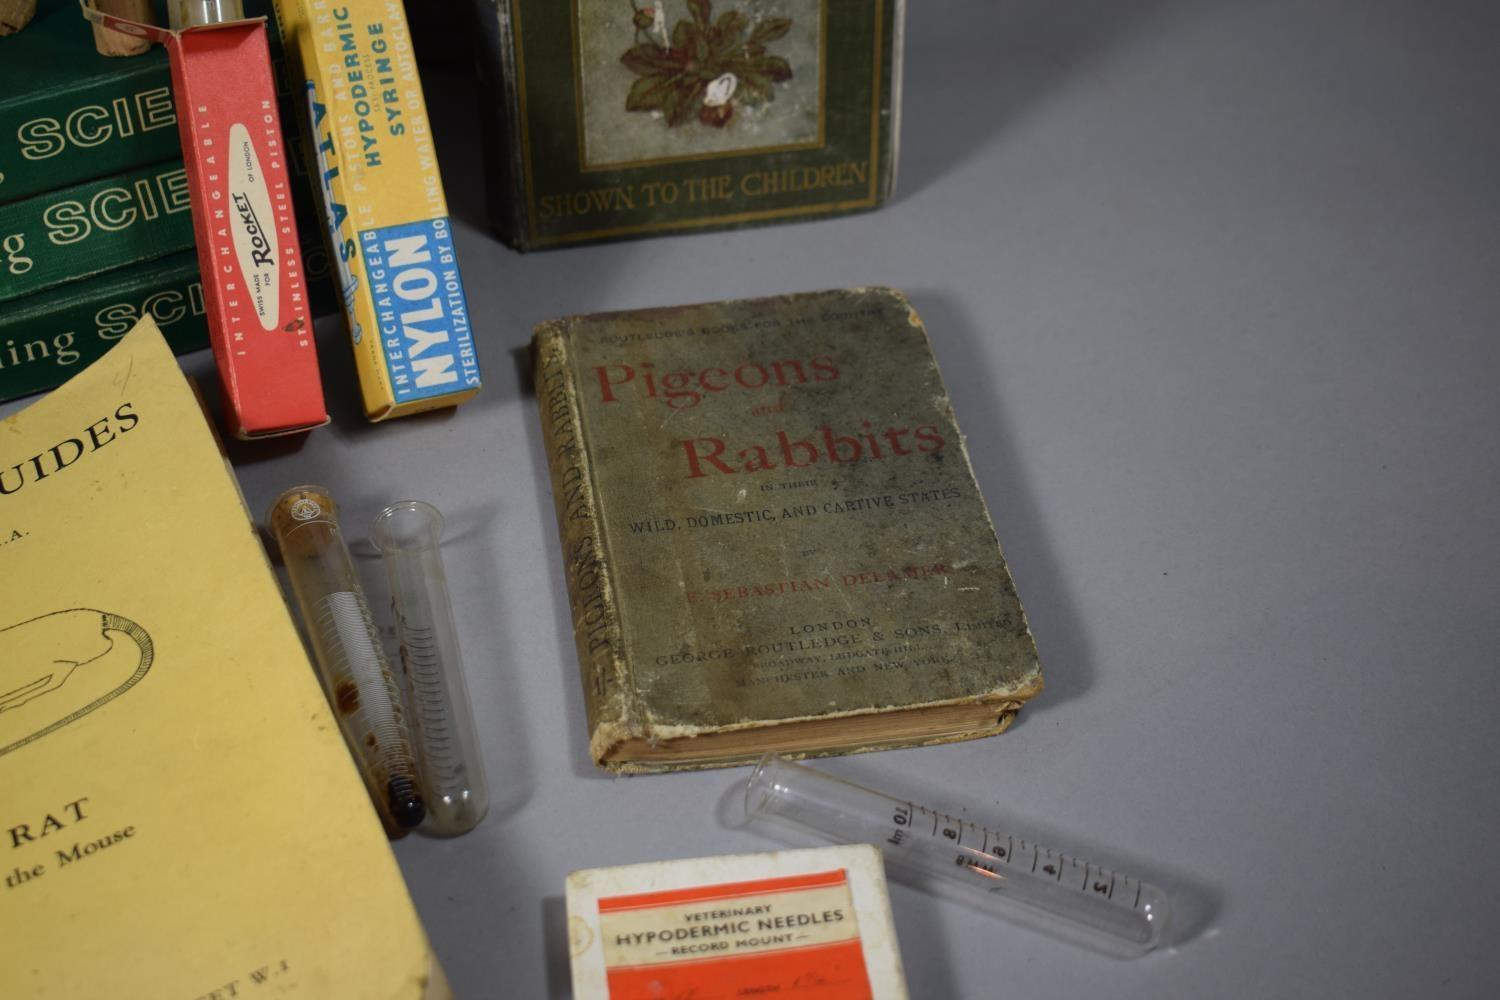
{"x":179,"y":817}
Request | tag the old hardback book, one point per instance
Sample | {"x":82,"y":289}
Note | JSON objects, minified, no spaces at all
{"x":771,"y":534}
{"x":812,"y":923}
{"x":621,"y":119}
{"x":180,"y":816}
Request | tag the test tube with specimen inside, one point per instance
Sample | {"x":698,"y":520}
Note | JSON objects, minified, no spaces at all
{"x":351,"y":663}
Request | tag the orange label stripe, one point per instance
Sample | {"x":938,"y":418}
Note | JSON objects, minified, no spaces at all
{"x":729,"y":890}
{"x":829,"y":972}
{"x":799,"y":949}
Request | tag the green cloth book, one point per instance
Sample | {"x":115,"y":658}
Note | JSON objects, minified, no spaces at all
{"x":772,"y":537}
{"x":54,"y":238}
{"x":45,"y":339}
{"x":111,"y":122}
{"x":625,"y":119}
{"x":79,"y":115}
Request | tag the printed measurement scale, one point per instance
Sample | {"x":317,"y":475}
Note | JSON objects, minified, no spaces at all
{"x":1010,"y":876}
{"x":452,"y":768}
{"x":999,"y":853}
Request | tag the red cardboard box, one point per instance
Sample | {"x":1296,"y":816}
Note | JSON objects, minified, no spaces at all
{"x":253,"y":281}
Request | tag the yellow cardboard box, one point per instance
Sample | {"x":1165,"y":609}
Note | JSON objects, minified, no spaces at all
{"x":382,"y":199}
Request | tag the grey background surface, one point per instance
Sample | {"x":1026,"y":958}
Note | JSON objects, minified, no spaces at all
{"x":1215,"y":287}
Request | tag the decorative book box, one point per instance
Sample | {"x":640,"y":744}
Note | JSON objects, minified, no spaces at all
{"x":621,"y":118}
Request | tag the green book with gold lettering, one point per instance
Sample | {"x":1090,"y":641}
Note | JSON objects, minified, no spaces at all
{"x":97,"y":226}
{"x":48,"y":337}
{"x":772,"y":536}
{"x":622,"y":118}
{"x":69,"y":114}
{"x":81,"y":115}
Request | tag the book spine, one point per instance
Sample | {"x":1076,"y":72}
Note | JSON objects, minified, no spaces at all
{"x":609,"y":697}
{"x":893,"y":87}
{"x":51,"y":336}
{"x":502,"y":124}
{"x":55,"y":138}
{"x":107,"y":123}
{"x":93,"y":227}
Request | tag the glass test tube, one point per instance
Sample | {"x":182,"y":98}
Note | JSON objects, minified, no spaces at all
{"x":356,"y":676}
{"x":995,"y":872}
{"x":452,"y":771}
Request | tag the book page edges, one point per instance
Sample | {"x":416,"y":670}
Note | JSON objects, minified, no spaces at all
{"x":816,"y":735}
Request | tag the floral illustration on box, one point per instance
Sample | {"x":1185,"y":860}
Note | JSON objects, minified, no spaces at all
{"x":706,"y":66}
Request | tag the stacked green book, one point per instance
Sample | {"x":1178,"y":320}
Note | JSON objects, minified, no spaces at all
{"x":59,"y":237}
{"x":95,"y":225}
{"x":46,"y":338}
{"x":79,"y":115}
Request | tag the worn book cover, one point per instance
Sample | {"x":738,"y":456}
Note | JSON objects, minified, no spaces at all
{"x":771,"y":533}
{"x":812,"y":923}
{"x":611,"y":119}
{"x":180,"y":817}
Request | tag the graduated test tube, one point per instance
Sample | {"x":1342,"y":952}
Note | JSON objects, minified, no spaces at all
{"x":407,"y":535}
{"x":996,"y":872}
{"x":356,"y":676}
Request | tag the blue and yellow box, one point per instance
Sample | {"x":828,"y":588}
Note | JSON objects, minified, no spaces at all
{"x":382,"y":199}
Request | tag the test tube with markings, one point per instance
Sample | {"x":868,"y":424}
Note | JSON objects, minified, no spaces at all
{"x":991,"y":871}
{"x":356,"y":675}
{"x":407,"y":535}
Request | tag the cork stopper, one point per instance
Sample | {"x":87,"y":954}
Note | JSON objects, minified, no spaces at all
{"x":116,"y":43}
{"x":15,"y":15}
{"x":300,"y":507}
